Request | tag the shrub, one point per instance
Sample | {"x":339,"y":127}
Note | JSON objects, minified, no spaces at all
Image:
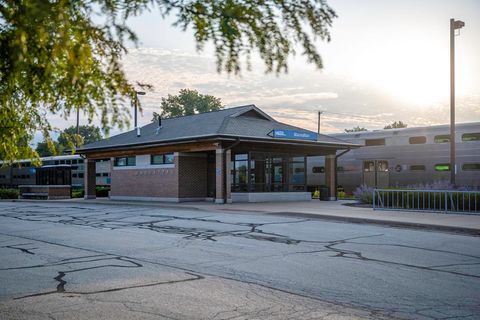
{"x":316,"y":194}
{"x":78,"y":193}
{"x":364,"y":194}
{"x":102,"y":191}
{"x":9,"y":193}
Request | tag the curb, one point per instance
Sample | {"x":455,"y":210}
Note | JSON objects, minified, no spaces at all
{"x":389,"y":223}
{"x":356,"y":220}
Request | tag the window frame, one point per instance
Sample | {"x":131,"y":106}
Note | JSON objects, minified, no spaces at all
{"x":423,"y":140}
{"x":128,"y":162}
{"x":164,"y":157}
{"x":376,"y":142}
{"x":474,"y":135}
{"x":442,"y":138}
{"x":477,"y":164}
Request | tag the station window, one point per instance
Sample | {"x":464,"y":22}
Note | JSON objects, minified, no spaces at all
{"x":161,"y":158}
{"x":318,"y":169}
{"x":374,"y":142}
{"x":471,"y":136}
{"x":124,"y":161}
{"x":443,"y":138}
{"x":417,"y":140}
{"x":471,"y":167}
{"x":442,"y":167}
{"x":417,"y":167}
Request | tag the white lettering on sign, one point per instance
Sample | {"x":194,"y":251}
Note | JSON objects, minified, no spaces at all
{"x":301,"y":135}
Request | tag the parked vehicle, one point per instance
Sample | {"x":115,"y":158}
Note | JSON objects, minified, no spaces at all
{"x":402,"y":157}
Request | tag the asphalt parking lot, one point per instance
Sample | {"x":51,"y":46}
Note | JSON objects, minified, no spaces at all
{"x":83,"y":261}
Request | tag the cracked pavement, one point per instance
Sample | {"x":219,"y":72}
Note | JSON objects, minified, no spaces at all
{"x":83,"y":261}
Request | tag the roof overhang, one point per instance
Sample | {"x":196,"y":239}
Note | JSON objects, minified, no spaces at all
{"x":217,"y":138}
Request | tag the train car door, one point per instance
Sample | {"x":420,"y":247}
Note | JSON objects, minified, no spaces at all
{"x":375,"y":173}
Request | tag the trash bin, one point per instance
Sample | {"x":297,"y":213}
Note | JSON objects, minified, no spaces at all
{"x":324,"y":193}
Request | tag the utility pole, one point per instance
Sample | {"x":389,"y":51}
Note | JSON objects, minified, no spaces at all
{"x":454,"y":25}
{"x":319,"y":116}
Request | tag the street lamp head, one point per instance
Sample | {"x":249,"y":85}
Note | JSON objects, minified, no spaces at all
{"x":457,"y":24}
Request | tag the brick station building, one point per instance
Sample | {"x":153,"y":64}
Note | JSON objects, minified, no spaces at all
{"x":238,"y":154}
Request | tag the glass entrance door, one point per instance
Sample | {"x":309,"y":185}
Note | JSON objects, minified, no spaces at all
{"x":376,"y":174}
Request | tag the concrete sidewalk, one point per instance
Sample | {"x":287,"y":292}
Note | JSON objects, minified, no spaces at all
{"x":331,"y":210}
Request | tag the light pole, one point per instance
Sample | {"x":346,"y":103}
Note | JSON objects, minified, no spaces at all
{"x":454,"y":25}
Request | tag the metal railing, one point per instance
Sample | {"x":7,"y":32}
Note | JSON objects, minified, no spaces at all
{"x":427,"y":200}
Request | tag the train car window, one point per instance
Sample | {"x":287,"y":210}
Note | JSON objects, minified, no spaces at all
{"x":442,"y":167}
{"x":417,"y":167}
{"x":318,"y":169}
{"x":57,"y":162}
{"x":443,"y":138}
{"x":80,"y":174}
{"x":74,"y":175}
{"x":471,"y":167}
{"x":340,"y":169}
{"x":374,"y":142}
{"x":98,"y":175}
{"x":80,"y":161}
{"x":105,"y":174}
{"x":369,"y":166}
{"x":417,"y":140}
{"x":471,"y":136}
{"x":382,"y":166}
{"x":74,"y":161}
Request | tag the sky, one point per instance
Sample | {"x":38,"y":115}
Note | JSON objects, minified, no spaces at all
{"x":387,"y":61}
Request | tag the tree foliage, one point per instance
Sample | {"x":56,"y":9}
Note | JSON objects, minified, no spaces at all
{"x":187,"y":102}
{"x":69,"y":139}
{"x":396,"y":125}
{"x":57,"y":56}
{"x":356,"y":129}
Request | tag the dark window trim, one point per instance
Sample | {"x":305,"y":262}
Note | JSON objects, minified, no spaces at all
{"x":164,"y":159}
{"x":473,"y":166}
{"x":127,"y":162}
{"x":471,"y":136}
{"x":442,"y":138}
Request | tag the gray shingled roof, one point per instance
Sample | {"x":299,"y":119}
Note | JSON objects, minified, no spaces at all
{"x":227,"y":122}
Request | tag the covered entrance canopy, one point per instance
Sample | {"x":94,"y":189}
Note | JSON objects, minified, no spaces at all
{"x":237,"y":154}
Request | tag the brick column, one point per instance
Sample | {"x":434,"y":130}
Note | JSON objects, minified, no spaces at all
{"x":90,"y":179}
{"x":331,"y":175}
{"x":219,"y":176}
{"x":228,"y":169}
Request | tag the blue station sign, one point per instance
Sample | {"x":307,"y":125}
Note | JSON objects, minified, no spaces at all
{"x":293,"y":134}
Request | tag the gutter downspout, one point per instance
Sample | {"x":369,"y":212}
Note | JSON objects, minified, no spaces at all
{"x":224,"y":169}
{"x":336,"y":171}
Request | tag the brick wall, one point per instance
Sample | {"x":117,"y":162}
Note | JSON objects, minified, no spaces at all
{"x":192,"y":175}
{"x":145,"y":182}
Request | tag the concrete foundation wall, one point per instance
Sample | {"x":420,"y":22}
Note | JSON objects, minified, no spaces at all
{"x":270,"y":196}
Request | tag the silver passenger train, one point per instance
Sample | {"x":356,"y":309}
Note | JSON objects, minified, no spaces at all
{"x":402,"y":157}
{"x":23,"y":172}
